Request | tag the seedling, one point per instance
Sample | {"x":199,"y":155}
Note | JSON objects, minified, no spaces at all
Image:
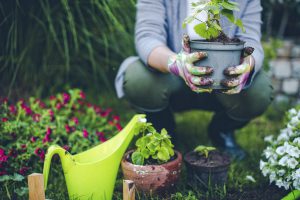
{"x":204,"y":150}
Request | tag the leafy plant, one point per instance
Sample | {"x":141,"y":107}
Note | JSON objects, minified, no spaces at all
{"x":27,"y":129}
{"x":152,"y":146}
{"x":270,"y":48}
{"x":204,"y":150}
{"x":211,"y":28}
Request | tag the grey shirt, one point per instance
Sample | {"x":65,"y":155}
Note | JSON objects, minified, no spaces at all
{"x":159,"y":23}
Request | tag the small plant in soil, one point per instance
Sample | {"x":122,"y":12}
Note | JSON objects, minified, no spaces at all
{"x":211,"y":29}
{"x":153,"y":147}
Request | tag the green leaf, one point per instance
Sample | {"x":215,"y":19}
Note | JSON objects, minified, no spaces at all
{"x":229,"y":5}
{"x":240,"y":24}
{"x":228,"y":14}
{"x":17,"y":177}
{"x":145,"y":153}
{"x":4,"y":178}
{"x":201,"y":30}
{"x":137,"y":158}
{"x":163,"y":154}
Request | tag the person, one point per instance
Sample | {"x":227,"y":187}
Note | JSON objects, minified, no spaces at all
{"x":162,"y":79}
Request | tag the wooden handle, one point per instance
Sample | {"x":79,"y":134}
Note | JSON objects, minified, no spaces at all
{"x":128,"y":190}
{"x":36,"y":186}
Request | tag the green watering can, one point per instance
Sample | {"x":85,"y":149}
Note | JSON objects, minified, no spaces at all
{"x":92,"y":173}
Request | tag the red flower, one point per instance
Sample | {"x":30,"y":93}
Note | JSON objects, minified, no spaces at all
{"x":116,"y":118}
{"x":66,"y":98}
{"x":3,"y":157}
{"x":82,"y":95}
{"x":36,"y":117}
{"x":101,"y":136}
{"x":23,"y":146}
{"x":46,"y":138}
{"x":4,"y":119}
{"x":106,"y":112}
{"x":68,"y":128}
{"x":23,"y":170}
{"x":33,"y":139}
{"x":58,"y":106}
{"x":66,"y":147}
{"x":119,"y":127}
{"x":85,"y":133}
{"x":40,"y":153}
{"x":52,"y":98}
{"x":2,"y":152}
{"x":49,"y":131}
{"x":75,"y":119}
{"x":97,"y":109}
{"x":12,"y":109}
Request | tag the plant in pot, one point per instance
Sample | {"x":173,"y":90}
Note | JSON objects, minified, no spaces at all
{"x":154,"y":165}
{"x":222,"y":51}
{"x":207,"y":166}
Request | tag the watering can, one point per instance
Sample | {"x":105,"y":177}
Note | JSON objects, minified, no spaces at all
{"x":92,"y":173}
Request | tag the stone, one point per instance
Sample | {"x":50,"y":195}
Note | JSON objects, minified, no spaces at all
{"x":296,"y":68}
{"x":281,"y":68}
{"x":285,"y":50}
{"x":296,"y":51}
{"x":276,"y":83}
{"x":290,"y":86}
{"x":280,"y":98}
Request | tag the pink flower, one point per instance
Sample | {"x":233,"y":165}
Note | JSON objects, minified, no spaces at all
{"x":23,"y":146}
{"x":12,"y":109}
{"x":4,"y":119}
{"x":75,"y":119}
{"x":66,"y":98}
{"x":23,"y":170}
{"x":52,"y":98}
{"x":111,"y":123}
{"x":33,"y":139}
{"x":36,"y":117}
{"x":58,"y":106}
{"x":68,"y":128}
{"x":46,"y":138}
{"x":85,"y":133}
{"x":66,"y":147}
{"x":3,"y":157}
{"x":116,"y":118}
{"x":49,"y":131}
{"x":2,"y":152}
{"x":97,"y":109}
{"x":41,"y":104}
{"x":82,"y":95}
{"x":119,"y":127}
{"x":40,"y":153}
{"x":106,"y":112}
{"x":101,"y":136}
{"x":51,"y":113}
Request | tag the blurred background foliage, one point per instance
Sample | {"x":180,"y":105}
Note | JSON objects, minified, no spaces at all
{"x":47,"y":45}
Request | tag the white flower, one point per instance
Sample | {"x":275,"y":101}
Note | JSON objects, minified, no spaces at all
{"x":296,"y":184}
{"x":281,"y":150}
{"x":266,"y":171}
{"x":294,"y":121}
{"x":268,"y":152}
{"x":268,"y":138}
{"x":292,"y":163}
{"x":283,"y":161}
{"x":262,"y":164}
{"x":297,"y":141}
{"x":283,"y":136}
{"x":281,"y":172}
{"x":272,"y":177}
{"x":293,"y":151}
{"x":280,"y":183}
{"x":296,"y":174}
{"x":293,"y":112}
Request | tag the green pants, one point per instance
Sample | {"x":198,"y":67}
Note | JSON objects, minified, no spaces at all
{"x":151,"y":91}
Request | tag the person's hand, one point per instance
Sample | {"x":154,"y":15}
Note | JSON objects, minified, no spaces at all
{"x":182,"y":65}
{"x":239,"y":75}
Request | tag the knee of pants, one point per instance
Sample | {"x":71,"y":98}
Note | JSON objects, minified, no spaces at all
{"x":254,"y":101}
{"x":146,"y":90}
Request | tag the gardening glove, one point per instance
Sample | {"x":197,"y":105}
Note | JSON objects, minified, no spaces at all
{"x":182,"y":65}
{"x":239,"y":75}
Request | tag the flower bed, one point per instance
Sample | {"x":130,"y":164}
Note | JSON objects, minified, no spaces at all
{"x":27,"y":129}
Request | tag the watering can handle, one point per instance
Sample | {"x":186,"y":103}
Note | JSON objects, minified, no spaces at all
{"x":52,"y":150}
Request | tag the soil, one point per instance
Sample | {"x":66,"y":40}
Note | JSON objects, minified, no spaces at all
{"x":151,"y":161}
{"x":215,"y":159}
{"x":223,"y":38}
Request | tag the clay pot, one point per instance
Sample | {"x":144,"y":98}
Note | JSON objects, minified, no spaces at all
{"x":152,"y":179}
{"x":207,"y":172}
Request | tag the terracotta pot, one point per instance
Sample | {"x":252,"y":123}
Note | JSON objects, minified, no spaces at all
{"x":213,"y":175}
{"x":152,"y":178}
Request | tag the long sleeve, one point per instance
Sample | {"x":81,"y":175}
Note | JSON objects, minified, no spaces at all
{"x":251,"y":18}
{"x":150,"y":27}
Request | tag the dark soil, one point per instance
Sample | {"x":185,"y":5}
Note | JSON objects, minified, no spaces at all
{"x":215,"y":159}
{"x":151,"y":161}
{"x":223,"y":38}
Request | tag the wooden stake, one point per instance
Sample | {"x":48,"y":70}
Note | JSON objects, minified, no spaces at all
{"x":36,"y":186}
{"x":128,"y":190}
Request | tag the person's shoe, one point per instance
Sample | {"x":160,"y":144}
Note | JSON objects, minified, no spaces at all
{"x":225,"y":141}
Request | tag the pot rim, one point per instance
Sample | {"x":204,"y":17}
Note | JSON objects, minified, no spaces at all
{"x":216,"y":46}
{"x":217,"y":43}
{"x":170,"y":163}
{"x":208,"y":168}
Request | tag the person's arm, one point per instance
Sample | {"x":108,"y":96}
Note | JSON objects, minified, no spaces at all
{"x":158,"y":58}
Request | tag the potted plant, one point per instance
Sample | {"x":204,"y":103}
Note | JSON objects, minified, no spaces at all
{"x":207,"y":165}
{"x":154,"y":165}
{"x":222,"y":51}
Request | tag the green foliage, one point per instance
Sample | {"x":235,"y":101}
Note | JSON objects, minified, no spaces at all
{"x":204,"y":150}
{"x":152,"y":146}
{"x":270,"y":48}
{"x":211,"y":28}
{"x":47,"y":44}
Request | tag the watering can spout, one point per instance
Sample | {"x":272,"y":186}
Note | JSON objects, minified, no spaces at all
{"x":65,"y":158}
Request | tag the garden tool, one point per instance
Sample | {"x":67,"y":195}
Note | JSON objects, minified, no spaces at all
{"x":92,"y":173}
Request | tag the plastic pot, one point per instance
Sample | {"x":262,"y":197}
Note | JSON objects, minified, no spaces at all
{"x":220,"y":56}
